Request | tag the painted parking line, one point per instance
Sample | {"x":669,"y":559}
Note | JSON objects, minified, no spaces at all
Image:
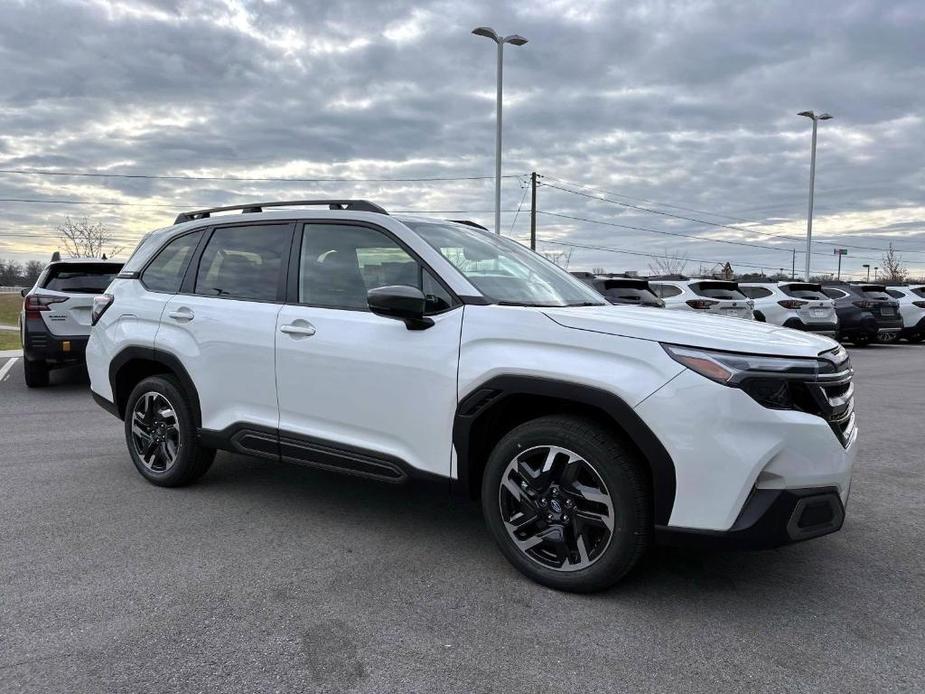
{"x":5,"y":369}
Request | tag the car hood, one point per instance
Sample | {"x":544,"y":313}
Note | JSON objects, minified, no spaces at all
{"x":691,"y":329}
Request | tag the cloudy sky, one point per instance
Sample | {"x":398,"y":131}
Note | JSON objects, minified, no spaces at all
{"x":686,"y":109}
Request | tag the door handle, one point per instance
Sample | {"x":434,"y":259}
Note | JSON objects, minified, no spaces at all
{"x":306,"y":330}
{"x":182,"y":314}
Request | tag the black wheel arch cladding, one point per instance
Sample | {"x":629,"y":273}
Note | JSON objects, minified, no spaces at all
{"x":487,"y":403}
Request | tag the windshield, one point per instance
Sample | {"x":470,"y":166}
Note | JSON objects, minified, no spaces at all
{"x":503,"y":270}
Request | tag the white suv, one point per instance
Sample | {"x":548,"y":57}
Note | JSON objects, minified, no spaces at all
{"x":911,"y":300}
{"x":797,"y":305}
{"x":406,"y":347}
{"x":718,"y":297}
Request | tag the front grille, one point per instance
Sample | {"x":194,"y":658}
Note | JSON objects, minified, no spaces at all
{"x":832,"y":395}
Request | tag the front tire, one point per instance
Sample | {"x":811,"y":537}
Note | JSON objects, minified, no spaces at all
{"x":568,"y":504}
{"x":161,"y":434}
{"x":35,"y":372}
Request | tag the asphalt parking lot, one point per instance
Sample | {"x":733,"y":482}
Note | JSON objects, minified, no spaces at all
{"x":266,"y":577}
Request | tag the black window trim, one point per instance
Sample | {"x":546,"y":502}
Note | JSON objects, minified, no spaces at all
{"x":292,"y":293}
{"x":140,"y":274}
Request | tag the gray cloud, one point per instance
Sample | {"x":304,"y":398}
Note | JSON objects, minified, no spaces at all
{"x":684,"y":104}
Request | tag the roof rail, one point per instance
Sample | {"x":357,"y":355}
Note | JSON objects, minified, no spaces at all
{"x":469,"y":223}
{"x":353,"y":205}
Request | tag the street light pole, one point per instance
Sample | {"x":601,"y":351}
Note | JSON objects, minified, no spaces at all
{"x":812,"y":185}
{"x":514,"y":40}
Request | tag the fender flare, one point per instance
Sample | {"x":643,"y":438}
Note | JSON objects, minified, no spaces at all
{"x":480,"y":400}
{"x":158,"y":356}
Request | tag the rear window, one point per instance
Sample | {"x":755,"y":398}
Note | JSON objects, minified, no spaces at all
{"x":635,"y":292}
{"x":82,"y":278}
{"x":755,"y":292}
{"x":717,"y":290}
{"x":876,"y":293}
{"x":813,"y":292}
{"x":834,"y":293}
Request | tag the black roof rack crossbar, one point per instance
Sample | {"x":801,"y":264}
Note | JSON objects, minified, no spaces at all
{"x":353,"y":205}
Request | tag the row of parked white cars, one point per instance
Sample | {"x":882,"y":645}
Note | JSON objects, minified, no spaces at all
{"x":859,"y":313}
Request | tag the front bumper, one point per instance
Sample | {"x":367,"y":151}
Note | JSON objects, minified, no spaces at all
{"x":42,"y":345}
{"x":728,"y":452}
{"x":770,"y":518}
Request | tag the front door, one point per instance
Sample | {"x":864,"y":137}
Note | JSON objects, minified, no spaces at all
{"x":357,"y":391}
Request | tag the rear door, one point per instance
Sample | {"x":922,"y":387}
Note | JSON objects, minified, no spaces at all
{"x":76,"y":284}
{"x":360,"y":392}
{"x":222,"y":324}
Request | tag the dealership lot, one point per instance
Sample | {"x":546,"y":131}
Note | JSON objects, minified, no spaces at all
{"x":268,"y":577}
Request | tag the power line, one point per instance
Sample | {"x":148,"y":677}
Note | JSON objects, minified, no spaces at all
{"x":667,"y":233}
{"x":714,"y":224}
{"x":179,"y":177}
{"x":691,"y":236}
{"x":652,"y":255}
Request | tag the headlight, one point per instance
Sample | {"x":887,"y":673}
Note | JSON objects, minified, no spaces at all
{"x":781,"y":383}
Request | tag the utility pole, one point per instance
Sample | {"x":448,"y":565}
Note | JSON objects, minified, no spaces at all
{"x":533,"y":211}
{"x":793,"y":267}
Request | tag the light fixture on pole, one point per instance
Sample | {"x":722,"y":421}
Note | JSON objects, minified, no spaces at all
{"x":868,"y":271}
{"x":812,"y":183}
{"x":514,"y":40}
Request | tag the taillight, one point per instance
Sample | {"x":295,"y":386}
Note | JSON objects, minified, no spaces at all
{"x":36,"y":303}
{"x":864,"y":303}
{"x":700,"y":303}
{"x":920,"y":304}
{"x":100,"y":304}
{"x":792,"y":303}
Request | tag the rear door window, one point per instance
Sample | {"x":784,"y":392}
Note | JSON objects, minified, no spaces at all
{"x":165,"y":273}
{"x":665,"y":290}
{"x":717,"y":290}
{"x":244,"y":262}
{"x":81,"y":278}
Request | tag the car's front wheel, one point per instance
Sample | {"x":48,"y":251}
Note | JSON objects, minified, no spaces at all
{"x":161,"y":434}
{"x":567,"y":503}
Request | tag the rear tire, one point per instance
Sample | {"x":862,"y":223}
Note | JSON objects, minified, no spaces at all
{"x":161,"y":435}
{"x":568,"y":504}
{"x":36,"y":373}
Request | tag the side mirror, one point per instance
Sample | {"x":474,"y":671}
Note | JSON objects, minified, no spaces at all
{"x":22,"y":292}
{"x":402,"y":303}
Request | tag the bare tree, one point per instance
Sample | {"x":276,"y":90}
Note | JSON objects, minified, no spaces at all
{"x":10,"y":273}
{"x":32,"y":271}
{"x":668,"y":264}
{"x":83,"y":239}
{"x":598,"y":270}
{"x":560,"y":258}
{"x":893,"y":269}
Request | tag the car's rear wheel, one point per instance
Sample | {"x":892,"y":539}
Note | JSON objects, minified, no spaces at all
{"x":567,"y":503}
{"x":35,"y":372}
{"x":161,"y":434}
